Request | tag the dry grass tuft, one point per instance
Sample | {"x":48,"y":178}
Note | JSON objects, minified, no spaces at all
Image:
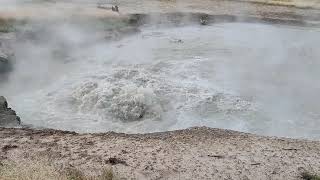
{"x":35,"y":170}
{"x":75,"y":174}
{"x":41,"y":170}
{"x":108,"y":174}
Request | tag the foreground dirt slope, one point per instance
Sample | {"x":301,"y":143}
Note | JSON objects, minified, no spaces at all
{"x":197,"y":153}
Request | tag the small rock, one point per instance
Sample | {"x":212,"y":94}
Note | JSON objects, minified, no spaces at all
{"x":3,"y":103}
{"x":124,"y":152}
{"x":8,"y":117}
{"x":114,"y":161}
{"x":5,"y":64}
{"x":8,"y":147}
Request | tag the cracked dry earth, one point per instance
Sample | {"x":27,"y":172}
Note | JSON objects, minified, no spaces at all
{"x":196,"y":153}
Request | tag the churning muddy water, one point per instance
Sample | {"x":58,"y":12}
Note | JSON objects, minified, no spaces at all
{"x":249,"y":77}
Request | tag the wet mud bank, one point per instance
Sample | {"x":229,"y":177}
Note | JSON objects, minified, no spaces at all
{"x":206,"y":19}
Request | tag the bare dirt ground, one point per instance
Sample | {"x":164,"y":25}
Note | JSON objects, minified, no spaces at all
{"x":197,"y":153}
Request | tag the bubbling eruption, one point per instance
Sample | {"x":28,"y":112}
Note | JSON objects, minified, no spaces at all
{"x":136,"y":95}
{"x":134,"y":103}
{"x":123,"y":102}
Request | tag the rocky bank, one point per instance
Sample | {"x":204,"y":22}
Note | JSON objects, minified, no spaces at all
{"x":8,"y":117}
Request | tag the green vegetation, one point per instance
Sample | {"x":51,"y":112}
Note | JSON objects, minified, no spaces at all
{"x":309,"y":176}
{"x":6,"y":25}
{"x":9,"y":25}
{"x":104,"y":23}
{"x":74,"y":174}
{"x":108,"y":174}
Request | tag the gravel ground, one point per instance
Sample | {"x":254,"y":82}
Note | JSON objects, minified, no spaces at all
{"x":196,"y":153}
